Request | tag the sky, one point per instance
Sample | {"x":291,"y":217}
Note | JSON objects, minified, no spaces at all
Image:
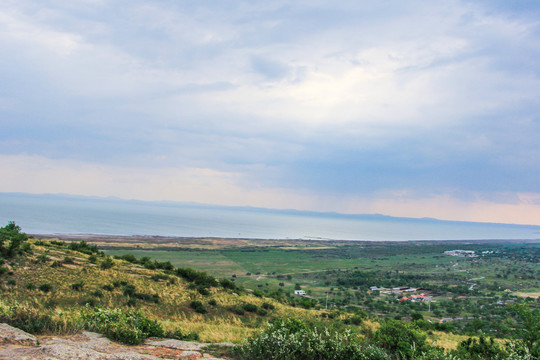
{"x":404,"y":108}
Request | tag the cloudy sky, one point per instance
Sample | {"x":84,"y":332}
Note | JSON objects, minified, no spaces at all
{"x":406,"y":108}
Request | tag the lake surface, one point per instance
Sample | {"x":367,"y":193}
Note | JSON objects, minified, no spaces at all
{"x":64,"y":214}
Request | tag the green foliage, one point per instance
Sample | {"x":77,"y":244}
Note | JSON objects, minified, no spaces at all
{"x":36,"y":322}
{"x":200,"y":278}
{"x":227,"y":284}
{"x":179,"y":335}
{"x":45,"y":287}
{"x":129,"y":327}
{"x":291,"y":339}
{"x":250,"y":307}
{"x":198,"y":307}
{"x":84,"y":247}
{"x":78,"y":286}
{"x":479,"y":349}
{"x":107,"y":263}
{"x":529,"y":331}
{"x":11,"y":240}
{"x":400,"y":338}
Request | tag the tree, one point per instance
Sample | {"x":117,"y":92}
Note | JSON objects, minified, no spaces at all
{"x":529,"y":332}
{"x":11,"y":239}
{"x":400,"y":338}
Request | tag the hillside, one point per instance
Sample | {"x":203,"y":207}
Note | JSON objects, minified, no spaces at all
{"x":52,"y":287}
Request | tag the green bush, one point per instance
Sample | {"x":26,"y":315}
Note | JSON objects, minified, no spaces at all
{"x":129,"y":327}
{"x":212,"y":302}
{"x":35,"y":321}
{"x":198,"y":307}
{"x":45,"y":287}
{"x":11,"y":240}
{"x":78,"y":286}
{"x":107,"y":263}
{"x":250,"y":307}
{"x":179,"y":335}
{"x":293,"y":340}
{"x":402,"y":339}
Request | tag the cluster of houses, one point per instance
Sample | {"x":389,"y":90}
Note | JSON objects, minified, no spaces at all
{"x":396,"y":290}
{"x":415,"y":298}
{"x":402,"y":290}
{"x":461,"y":253}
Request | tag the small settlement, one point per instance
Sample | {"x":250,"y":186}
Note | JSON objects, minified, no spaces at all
{"x":405,"y":291}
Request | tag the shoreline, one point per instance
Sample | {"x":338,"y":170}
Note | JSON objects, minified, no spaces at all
{"x":157,"y":239}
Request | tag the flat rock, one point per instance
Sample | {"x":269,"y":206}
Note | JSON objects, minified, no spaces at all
{"x":11,"y":335}
{"x":17,"y":344}
{"x":176,"y":344}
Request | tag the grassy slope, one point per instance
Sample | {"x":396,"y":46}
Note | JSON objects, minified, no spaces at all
{"x":173,"y":310}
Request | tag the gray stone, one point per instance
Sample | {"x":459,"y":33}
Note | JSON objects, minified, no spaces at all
{"x":11,"y":335}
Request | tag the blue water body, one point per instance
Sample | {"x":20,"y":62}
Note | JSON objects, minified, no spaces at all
{"x":64,"y":214}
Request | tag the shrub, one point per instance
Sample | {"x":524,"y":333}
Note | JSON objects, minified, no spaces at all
{"x":78,"y":286}
{"x":35,"y":321}
{"x":198,"y":307}
{"x":197,"y":277}
{"x":84,"y":247}
{"x":3,"y":270}
{"x":11,"y":239}
{"x":250,"y":307}
{"x":97,"y":293}
{"x":45,"y":287}
{"x":56,"y":264}
{"x":68,"y":260}
{"x":267,"y":306}
{"x":292,"y":339}
{"x":227,"y":284}
{"x":212,"y":302}
{"x":108,"y":287}
{"x":30,"y":286}
{"x":11,"y":282}
{"x":92,"y":258}
{"x":129,"y":327}
{"x":400,"y":338}
{"x":179,"y":335}
{"x":129,"y":290}
{"x":107,"y":263}
{"x":479,"y":349}
{"x":129,"y":258}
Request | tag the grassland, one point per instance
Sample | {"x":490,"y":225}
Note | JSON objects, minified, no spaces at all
{"x":264,"y":273}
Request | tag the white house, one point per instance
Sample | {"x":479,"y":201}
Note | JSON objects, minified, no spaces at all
{"x":299,"y":292}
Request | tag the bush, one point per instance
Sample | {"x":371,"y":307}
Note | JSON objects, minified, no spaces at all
{"x":227,"y":284}
{"x":198,"y":307}
{"x":107,"y":263}
{"x":250,"y":307}
{"x":400,"y":338}
{"x":45,"y":287}
{"x":212,"y":302}
{"x":84,"y":247}
{"x":292,"y":339}
{"x":78,"y":286}
{"x":197,"y":277}
{"x":179,"y":335}
{"x":129,"y":327}
{"x":36,"y":322}
{"x":268,"y":306}
{"x":479,"y":349}
{"x":11,"y":239}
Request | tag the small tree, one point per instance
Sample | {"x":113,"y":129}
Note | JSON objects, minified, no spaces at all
{"x":11,"y":239}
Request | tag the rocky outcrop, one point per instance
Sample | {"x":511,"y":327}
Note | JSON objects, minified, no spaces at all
{"x":17,"y":344}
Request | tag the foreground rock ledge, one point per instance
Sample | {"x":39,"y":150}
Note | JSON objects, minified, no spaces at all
{"x":17,"y":344}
